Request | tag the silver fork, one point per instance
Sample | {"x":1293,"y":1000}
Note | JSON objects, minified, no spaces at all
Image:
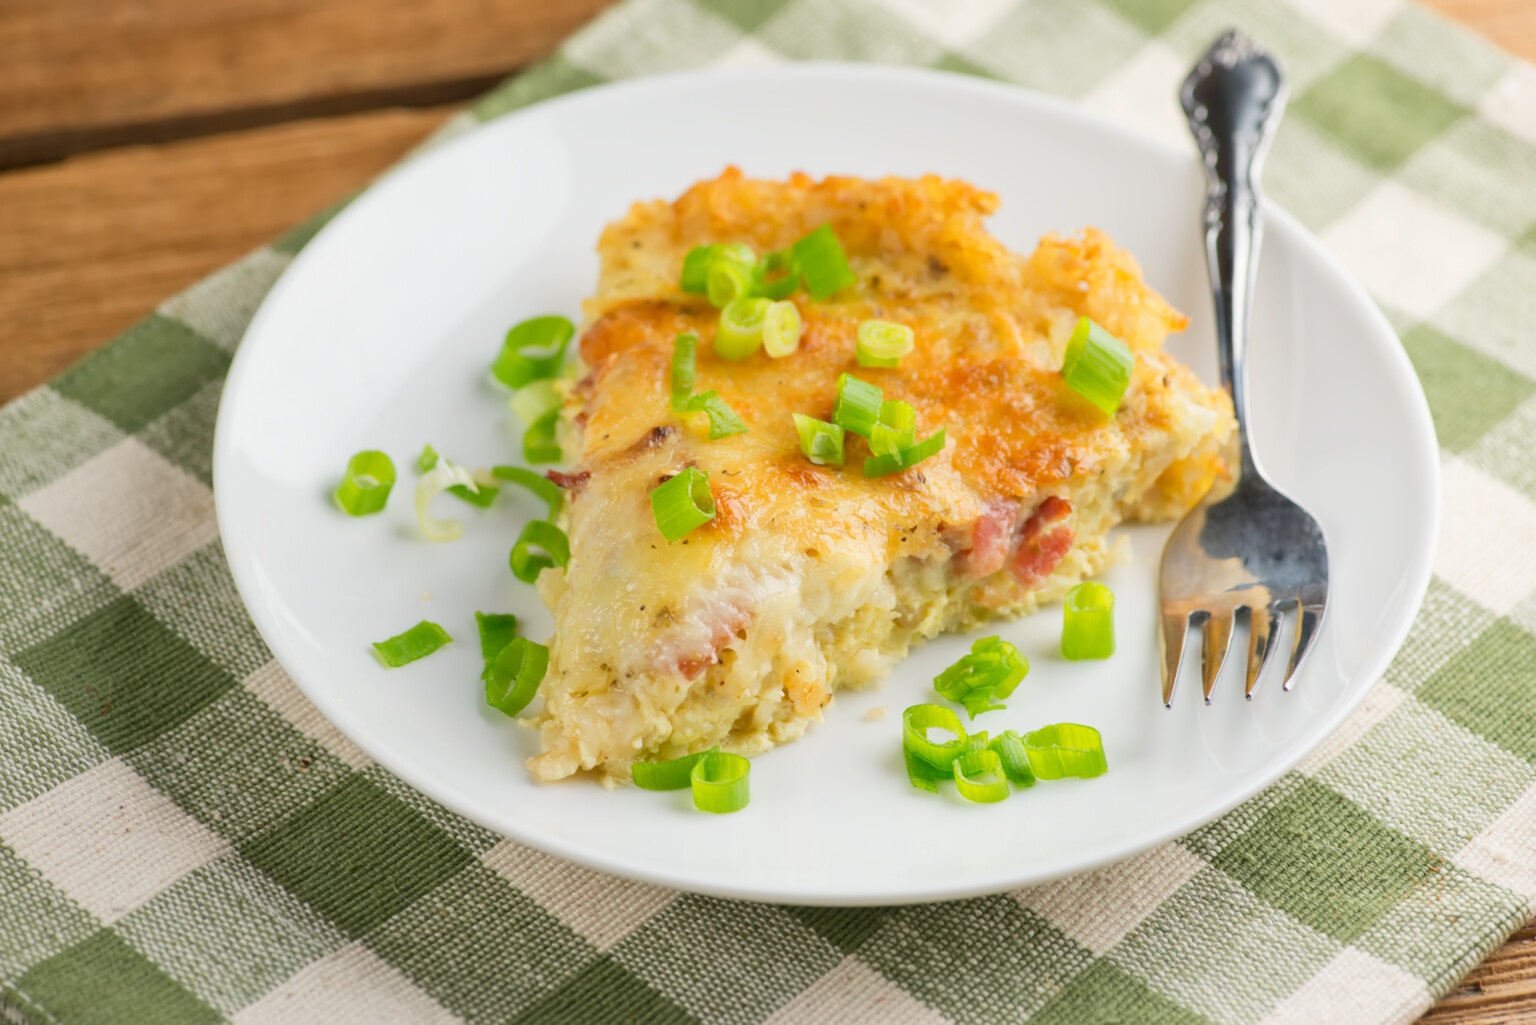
{"x":1245,"y":547}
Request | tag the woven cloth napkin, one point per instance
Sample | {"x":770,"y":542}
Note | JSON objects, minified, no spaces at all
{"x":184,"y":839}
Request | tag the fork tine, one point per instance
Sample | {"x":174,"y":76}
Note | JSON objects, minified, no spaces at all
{"x":1261,"y":625}
{"x":1175,"y":629}
{"x":1306,"y":633}
{"x":1215,"y":640}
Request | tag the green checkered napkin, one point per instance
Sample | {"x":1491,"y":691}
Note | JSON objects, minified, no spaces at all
{"x":184,"y":839}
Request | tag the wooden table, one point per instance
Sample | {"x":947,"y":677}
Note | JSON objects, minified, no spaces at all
{"x":143,"y":145}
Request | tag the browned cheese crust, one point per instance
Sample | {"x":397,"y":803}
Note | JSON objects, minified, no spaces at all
{"x":812,"y":578}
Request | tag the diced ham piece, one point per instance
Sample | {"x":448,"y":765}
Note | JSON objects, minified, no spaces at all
{"x":691,"y":658}
{"x":1044,"y":541}
{"x":991,"y":538}
{"x":572,"y":482}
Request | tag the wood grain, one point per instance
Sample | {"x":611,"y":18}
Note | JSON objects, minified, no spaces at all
{"x":89,"y":246}
{"x":78,"y":74}
{"x":1502,"y":989}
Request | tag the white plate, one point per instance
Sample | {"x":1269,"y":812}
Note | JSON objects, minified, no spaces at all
{"x":379,"y":337}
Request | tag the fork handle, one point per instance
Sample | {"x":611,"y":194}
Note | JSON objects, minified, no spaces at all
{"x":1233,"y":99}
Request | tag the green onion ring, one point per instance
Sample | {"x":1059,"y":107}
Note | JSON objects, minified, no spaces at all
{"x":419,"y":641}
{"x":513,"y":678}
{"x":682,"y":503}
{"x":972,"y":765}
{"x":782,"y":327}
{"x":1014,"y":758}
{"x":882,"y":343}
{"x":497,"y":630}
{"x":528,"y":564}
{"x":728,"y":281}
{"x":542,"y":487}
{"x":1066,"y":749}
{"x":676,"y":774}
{"x":915,"y":724}
{"x":821,"y":442}
{"x":1088,"y":622}
{"x":858,"y":405}
{"x":1098,"y":366}
{"x":740,"y":330}
{"x":369,"y":479}
{"x":685,"y":349}
{"x":823,"y":263}
{"x":540,"y":444}
{"x":440,"y":478}
{"x":720,"y":783}
{"x":533,"y":350}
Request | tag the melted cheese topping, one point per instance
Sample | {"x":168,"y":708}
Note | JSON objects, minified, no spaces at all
{"x":812,"y":578}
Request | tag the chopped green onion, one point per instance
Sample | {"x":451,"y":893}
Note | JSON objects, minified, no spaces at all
{"x":1010,"y":750}
{"x":969,"y":682}
{"x":534,"y":400}
{"x":701,"y":260}
{"x":481,"y":498}
{"x":539,"y":443}
{"x":1065,"y":749}
{"x":888,"y":441}
{"x":723,"y":421}
{"x":1088,"y":622}
{"x":779,"y":262}
{"x":1013,"y":660}
{"x":821,"y":442}
{"x":781,"y":329}
{"x":533,"y":350}
{"x":542,"y":487}
{"x":879,"y":466}
{"x":883,"y":343}
{"x":974,"y":742}
{"x":900,"y":416}
{"x":728,"y":281}
{"x":922,"y":775}
{"x":682,"y":503}
{"x":497,"y":630}
{"x":1097,"y":366}
{"x":737,"y":252}
{"x":527,"y":564}
{"x":740,"y":330}
{"x":915,"y":724}
{"x":858,"y":405}
{"x":895,"y":429}
{"x":440,"y":478}
{"x":720,"y":782}
{"x":992,"y":670}
{"x":513,"y":678}
{"x":676,"y":774}
{"x":971,"y":767}
{"x":823,"y":263}
{"x":365,"y":489}
{"x":685,"y":350}
{"x":695,"y":276}
{"x":419,"y":641}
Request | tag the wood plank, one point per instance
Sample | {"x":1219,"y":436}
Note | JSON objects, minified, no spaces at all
{"x":1509,"y":24}
{"x":90,"y":245}
{"x":157,"y":69}
{"x":1502,"y":989}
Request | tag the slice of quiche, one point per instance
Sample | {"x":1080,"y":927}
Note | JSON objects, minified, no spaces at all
{"x":811,"y":578}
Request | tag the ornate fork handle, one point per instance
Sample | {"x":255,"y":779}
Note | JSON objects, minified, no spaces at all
{"x":1233,"y":99}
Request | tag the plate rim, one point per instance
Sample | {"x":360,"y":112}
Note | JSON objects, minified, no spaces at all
{"x":1425,"y":450}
